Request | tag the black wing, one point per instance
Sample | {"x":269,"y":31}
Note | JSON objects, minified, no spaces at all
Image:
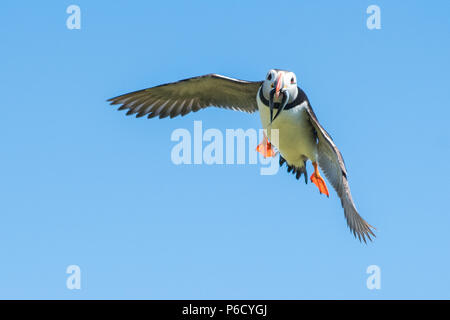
{"x":332,"y":164}
{"x":193,"y":94}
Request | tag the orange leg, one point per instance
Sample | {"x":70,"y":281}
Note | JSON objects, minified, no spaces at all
{"x":265,"y":148}
{"x":318,"y":180}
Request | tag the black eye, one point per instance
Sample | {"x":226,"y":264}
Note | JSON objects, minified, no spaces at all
{"x":292,"y":80}
{"x":269,"y":76}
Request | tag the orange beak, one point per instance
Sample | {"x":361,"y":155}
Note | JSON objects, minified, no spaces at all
{"x":279,"y":84}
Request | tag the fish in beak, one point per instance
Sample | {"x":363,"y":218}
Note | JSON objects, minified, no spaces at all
{"x":279,"y":88}
{"x":272,"y":93}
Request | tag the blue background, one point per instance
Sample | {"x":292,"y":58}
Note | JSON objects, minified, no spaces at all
{"x":82,"y":184}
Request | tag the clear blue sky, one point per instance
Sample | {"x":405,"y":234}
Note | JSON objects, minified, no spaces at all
{"x":83,"y":184}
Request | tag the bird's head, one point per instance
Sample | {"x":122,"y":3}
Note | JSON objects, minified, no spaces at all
{"x":279,"y":88}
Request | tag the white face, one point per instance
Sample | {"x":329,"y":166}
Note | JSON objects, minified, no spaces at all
{"x":280,"y":80}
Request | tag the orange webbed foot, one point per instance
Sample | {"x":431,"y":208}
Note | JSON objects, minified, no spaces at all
{"x":318,"y":181}
{"x":266,"y":149}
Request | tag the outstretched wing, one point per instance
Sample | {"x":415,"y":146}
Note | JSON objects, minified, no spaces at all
{"x":332,"y":164}
{"x":193,"y":94}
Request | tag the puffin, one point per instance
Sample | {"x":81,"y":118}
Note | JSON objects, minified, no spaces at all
{"x":285,"y":111}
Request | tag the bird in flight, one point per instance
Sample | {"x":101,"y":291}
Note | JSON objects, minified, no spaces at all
{"x":282,"y":105}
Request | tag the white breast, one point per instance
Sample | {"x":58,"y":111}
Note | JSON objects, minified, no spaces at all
{"x":296,"y":138}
